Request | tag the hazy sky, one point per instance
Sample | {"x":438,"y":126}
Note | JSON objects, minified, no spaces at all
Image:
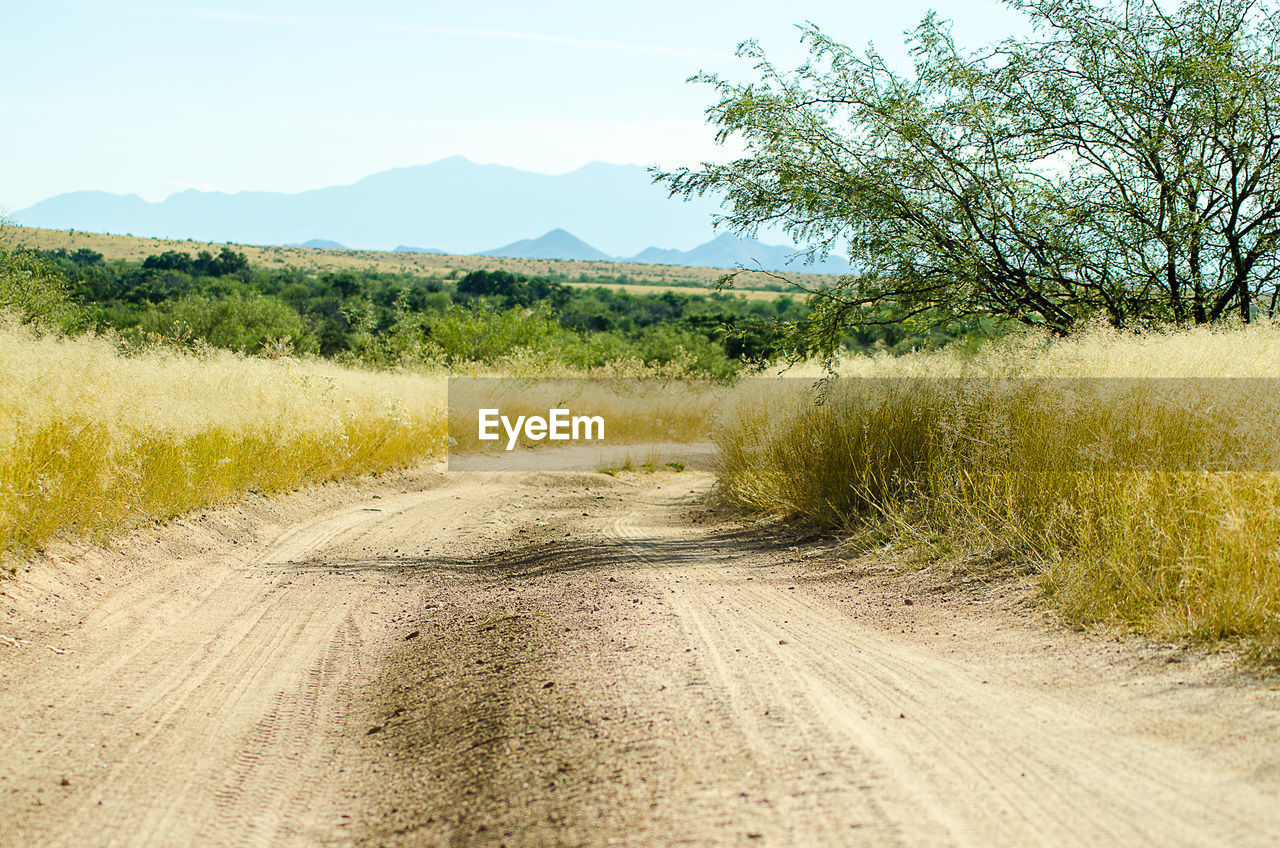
{"x":154,"y":97}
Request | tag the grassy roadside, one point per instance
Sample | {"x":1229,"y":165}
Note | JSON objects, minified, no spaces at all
{"x":1136,"y":475}
{"x":92,"y":440}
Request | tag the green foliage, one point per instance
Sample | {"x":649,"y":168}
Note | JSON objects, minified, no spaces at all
{"x":243,"y":322}
{"x":385,"y":319}
{"x":80,"y":257}
{"x":1125,"y":162}
{"x":484,"y":334}
{"x":32,"y":288}
{"x":204,"y":264}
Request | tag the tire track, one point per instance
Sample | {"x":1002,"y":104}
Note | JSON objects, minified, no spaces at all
{"x":949,"y":758}
{"x":206,"y":706}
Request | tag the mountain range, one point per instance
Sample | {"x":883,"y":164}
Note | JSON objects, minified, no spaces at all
{"x":599,"y":211}
{"x":723,"y":251}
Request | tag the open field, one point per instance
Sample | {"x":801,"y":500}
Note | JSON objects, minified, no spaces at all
{"x":737,"y":291}
{"x":643,"y":278}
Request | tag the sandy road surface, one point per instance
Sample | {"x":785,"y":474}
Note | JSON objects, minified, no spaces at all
{"x":537,"y":659}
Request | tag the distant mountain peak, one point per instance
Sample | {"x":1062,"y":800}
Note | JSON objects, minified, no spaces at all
{"x":553,"y":244}
{"x":408,"y":248}
{"x":729,"y":251}
{"x":320,"y":244}
{"x":724,"y":251}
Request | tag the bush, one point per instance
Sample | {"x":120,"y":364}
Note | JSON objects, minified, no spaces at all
{"x":33,"y":288}
{"x":483,"y":334}
{"x":247,"y":323}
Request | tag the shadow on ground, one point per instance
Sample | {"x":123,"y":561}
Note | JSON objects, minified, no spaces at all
{"x":537,"y":559}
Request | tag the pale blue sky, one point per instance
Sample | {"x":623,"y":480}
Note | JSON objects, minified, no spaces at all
{"x":153,"y":97}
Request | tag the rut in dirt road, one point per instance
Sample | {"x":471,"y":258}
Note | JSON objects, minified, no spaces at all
{"x":209,"y":701}
{"x":659,"y":679}
{"x":945,"y":757}
{"x":569,"y":659}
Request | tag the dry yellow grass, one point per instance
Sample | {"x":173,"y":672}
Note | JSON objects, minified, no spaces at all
{"x":1138,"y":475}
{"x":92,"y":441}
{"x":678,"y":278}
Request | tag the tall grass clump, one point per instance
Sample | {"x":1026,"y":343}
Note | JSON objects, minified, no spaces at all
{"x":1139,"y":475}
{"x":93,"y":440}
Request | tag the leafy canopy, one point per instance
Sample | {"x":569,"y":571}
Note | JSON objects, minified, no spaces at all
{"x":1122,"y":161}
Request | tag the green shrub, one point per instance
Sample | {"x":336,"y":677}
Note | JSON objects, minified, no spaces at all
{"x":243,"y":322}
{"x":34,"y":289}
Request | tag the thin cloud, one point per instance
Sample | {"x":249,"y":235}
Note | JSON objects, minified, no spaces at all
{"x":347,"y":24}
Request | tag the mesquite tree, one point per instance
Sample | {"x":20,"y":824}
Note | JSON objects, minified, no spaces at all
{"x":1122,"y":161}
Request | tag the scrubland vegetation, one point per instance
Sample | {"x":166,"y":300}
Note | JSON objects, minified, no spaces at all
{"x":382,"y":318}
{"x":139,"y":391}
{"x":1149,"y":503}
{"x":323,"y":260}
{"x":93,"y":440}
{"x":1138,"y":474}
{"x":99,"y":432}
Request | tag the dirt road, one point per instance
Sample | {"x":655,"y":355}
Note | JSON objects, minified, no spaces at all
{"x":569,"y":659}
